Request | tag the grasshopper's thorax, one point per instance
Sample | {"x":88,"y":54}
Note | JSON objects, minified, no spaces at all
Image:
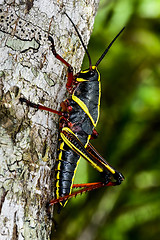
{"x":88,"y":92}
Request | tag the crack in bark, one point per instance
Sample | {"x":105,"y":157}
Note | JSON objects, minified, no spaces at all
{"x":15,"y":229}
{"x":3,"y":198}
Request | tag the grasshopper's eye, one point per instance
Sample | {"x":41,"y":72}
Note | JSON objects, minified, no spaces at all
{"x":92,"y":73}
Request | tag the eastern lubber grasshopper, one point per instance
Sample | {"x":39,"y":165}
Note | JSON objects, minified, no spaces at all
{"x":79,"y":117}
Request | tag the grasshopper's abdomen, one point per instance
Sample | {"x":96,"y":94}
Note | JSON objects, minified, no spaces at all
{"x":67,"y":163}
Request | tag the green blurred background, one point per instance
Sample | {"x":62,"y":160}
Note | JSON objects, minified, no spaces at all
{"x":128,"y":129}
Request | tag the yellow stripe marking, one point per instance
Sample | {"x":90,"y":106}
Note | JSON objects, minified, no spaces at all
{"x":81,"y":80}
{"x":100,"y":169}
{"x":61,"y":146}
{"x":82,"y":104}
{"x":84,"y":107}
{"x":77,"y":150}
{"x":60,"y":156}
{"x":58,"y":174}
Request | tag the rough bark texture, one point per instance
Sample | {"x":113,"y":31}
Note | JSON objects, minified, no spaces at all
{"x":28,"y":138}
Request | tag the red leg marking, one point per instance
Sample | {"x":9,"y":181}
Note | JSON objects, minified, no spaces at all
{"x":38,"y":106}
{"x":94,"y":134}
{"x":70,"y":68}
{"x":83,"y":185}
{"x":91,"y":186}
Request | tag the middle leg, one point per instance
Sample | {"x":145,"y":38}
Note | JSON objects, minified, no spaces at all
{"x":38,"y":106}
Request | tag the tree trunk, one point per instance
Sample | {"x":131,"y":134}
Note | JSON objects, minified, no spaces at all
{"x":28,"y":138}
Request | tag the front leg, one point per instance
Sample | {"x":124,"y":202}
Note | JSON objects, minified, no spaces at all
{"x":70,"y":76}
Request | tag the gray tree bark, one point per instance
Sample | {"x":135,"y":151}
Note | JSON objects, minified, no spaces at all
{"x":28,"y":138}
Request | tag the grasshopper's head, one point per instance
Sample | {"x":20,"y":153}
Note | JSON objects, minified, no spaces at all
{"x":90,"y":74}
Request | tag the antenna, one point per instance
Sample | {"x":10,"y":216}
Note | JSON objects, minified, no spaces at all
{"x":107,"y":49}
{"x":89,"y":58}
